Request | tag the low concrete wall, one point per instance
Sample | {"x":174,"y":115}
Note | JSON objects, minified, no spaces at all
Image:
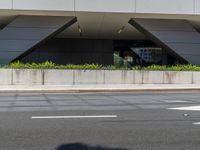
{"x":152,"y":77}
{"x":174,"y":77}
{"x":6,"y":76}
{"x":71,"y":77}
{"x":58,"y":77}
{"x":26,"y":76}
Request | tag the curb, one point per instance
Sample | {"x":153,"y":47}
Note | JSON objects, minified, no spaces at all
{"x":98,"y":90}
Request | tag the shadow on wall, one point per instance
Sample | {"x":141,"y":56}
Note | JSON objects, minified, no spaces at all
{"x":80,"y":146}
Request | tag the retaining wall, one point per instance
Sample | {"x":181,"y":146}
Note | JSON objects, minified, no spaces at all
{"x":71,"y":77}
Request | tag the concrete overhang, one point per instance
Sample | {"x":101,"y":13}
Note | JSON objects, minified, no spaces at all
{"x":99,"y":25}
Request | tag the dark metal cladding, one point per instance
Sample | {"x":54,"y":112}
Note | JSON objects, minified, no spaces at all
{"x":24,"y":33}
{"x":176,"y":36}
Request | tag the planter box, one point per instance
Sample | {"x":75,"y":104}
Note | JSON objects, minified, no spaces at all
{"x":177,"y":77}
{"x":5,"y":76}
{"x":196,"y":77}
{"x":58,"y":77}
{"x":128,"y":77}
{"x":71,"y":77}
{"x":138,"y":77}
{"x":113,"y":77}
{"x":27,"y":77}
{"x":89,"y":76}
{"x":153,"y":77}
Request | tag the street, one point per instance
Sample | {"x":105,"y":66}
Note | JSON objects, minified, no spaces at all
{"x":100,"y":121}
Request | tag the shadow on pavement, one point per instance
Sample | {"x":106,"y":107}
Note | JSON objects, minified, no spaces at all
{"x":80,"y":146}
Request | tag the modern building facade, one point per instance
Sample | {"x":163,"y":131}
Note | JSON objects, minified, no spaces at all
{"x":89,"y":31}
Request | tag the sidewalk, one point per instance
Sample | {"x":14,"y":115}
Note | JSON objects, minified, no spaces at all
{"x":99,"y":88}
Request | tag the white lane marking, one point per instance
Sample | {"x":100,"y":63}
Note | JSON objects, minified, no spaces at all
{"x":196,"y":123}
{"x":73,"y":117}
{"x":175,"y":101}
{"x":189,"y":108}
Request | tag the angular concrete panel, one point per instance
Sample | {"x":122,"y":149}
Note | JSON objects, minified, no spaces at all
{"x":165,"y":6}
{"x":6,"y":55}
{"x":105,"y":5}
{"x":182,"y":43}
{"x":25,"y":32}
{"x":59,"y":5}
{"x":12,"y":45}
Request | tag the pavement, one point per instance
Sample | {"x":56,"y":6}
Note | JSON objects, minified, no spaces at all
{"x":100,"y":121}
{"x":99,"y":88}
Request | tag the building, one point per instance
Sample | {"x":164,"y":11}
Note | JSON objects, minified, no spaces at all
{"x":89,"y":31}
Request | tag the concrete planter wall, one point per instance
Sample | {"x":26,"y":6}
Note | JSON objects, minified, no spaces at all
{"x":71,"y":77}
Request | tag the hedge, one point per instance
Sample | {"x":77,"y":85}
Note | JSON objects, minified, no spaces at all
{"x":51,"y":65}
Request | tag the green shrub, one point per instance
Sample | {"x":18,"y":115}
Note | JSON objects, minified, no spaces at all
{"x":188,"y":67}
{"x":51,"y":65}
{"x":113,"y":67}
{"x":118,"y":61}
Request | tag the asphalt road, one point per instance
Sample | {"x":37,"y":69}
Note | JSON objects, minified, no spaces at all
{"x":99,"y":121}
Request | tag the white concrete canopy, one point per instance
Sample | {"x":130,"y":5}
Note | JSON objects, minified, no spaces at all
{"x":121,"y":6}
{"x":103,"y":18}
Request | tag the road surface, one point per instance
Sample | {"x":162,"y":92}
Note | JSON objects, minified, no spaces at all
{"x":100,"y":121}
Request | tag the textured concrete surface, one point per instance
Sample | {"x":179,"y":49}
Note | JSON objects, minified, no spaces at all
{"x":178,"y":77}
{"x":26,"y":77}
{"x":196,"y":77}
{"x":96,"y":77}
{"x":153,"y":77}
{"x":58,"y":77}
{"x":5,"y":76}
